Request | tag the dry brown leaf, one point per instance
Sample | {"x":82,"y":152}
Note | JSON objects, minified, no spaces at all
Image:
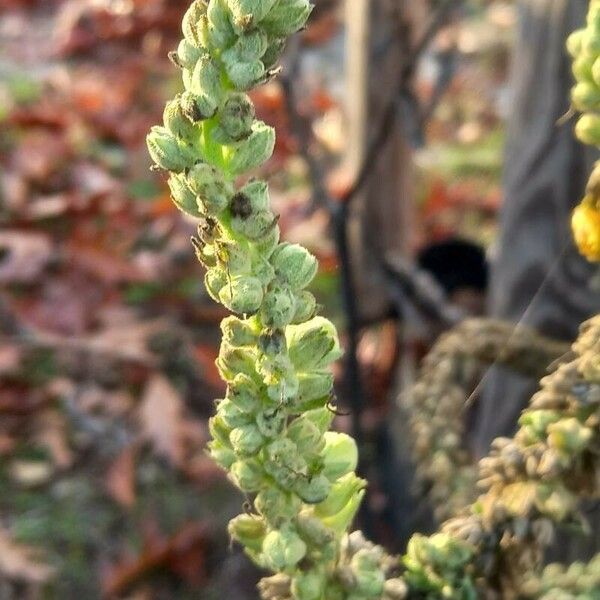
{"x":22,"y":563}
{"x":23,"y":256}
{"x":120,"y":478}
{"x":51,"y":432}
{"x":162,"y":418}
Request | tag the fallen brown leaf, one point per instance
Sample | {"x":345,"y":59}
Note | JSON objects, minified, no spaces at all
{"x":120,"y":478}
{"x":22,"y":563}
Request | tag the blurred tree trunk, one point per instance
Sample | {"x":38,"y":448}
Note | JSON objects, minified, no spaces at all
{"x":381,"y":216}
{"x":538,"y":278}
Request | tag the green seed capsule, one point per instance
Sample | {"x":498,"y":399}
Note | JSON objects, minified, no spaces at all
{"x":368,"y":576}
{"x":279,"y":307}
{"x":239,"y":332}
{"x":283,"y":549}
{"x":177,"y":121}
{"x":206,"y":87}
{"x":309,"y":586}
{"x":271,"y":422}
{"x":582,"y":69}
{"x":232,"y":361}
{"x":569,"y":436}
{"x":313,"y":490}
{"x":312,"y":530}
{"x":340,"y":455}
{"x":274,"y":52}
{"x":236,"y":117}
{"x":295,"y":265}
{"x":211,"y":188}
{"x":249,"y":47}
{"x":253,"y":151}
{"x":246,"y":440}
{"x":232,"y":415}
{"x":313,"y":345}
{"x":247,"y":13}
{"x":244,"y":392}
{"x":187,"y":55}
{"x":182,"y":196}
{"x":221,"y":31}
{"x":191,"y":23}
{"x":219,"y":431}
{"x":575,"y":43}
{"x":263,"y":271}
{"x":242,"y":295}
{"x":341,"y":521}
{"x":167,"y":152}
{"x":314,"y":388}
{"x":590,"y":43}
{"x":276,"y":505}
{"x":252,"y":198}
{"x":222,"y":455}
{"x":255,"y":227}
{"x":245,"y":75}
{"x":587,"y":129}
{"x":214,"y":281}
{"x":306,"y":435}
{"x":585,"y":96}
{"x":287,"y":17}
{"x":248,"y":475}
{"x":248,"y":530}
{"x":306,"y":307}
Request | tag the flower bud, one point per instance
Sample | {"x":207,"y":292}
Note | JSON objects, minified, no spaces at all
{"x":309,"y":585}
{"x":538,"y":420}
{"x":278,"y":307}
{"x":236,"y":117}
{"x":306,"y":307}
{"x":586,"y":230}
{"x":585,"y":96}
{"x":244,"y":392}
{"x":206,"y":87}
{"x":253,"y":151}
{"x":287,"y":17}
{"x":177,"y":122}
{"x":211,"y":188}
{"x":221,"y":31}
{"x":295,"y":265}
{"x":182,"y":196}
{"x":313,"y":345}
{"x":283,"y":549}
{"x":276,"y":505}
{"x":247,"y":13}
{"x":222,"y":455}
{"x":186,"y":56}
{"x":232,"y":415}
{"x":245,"y":75}
{"x":282,"y":388}
{"x":340,"y":455}
{"x":314,"y":489}
{"x":219,"y":431}
{"x":271,"y":422}
{"x":246,"y":440}
{"x":595,"y":71}
{"x":243,"y":295}
{"x":191,"y":20}
{"x":313,"y":388}
{"x":587,"y":129}
{"x":341,"y":494}
{"x":167,"y":152}
{"x":239,"y":332}
{"x":248,"y":475}
{"x":248,"y":530}
{"x":590,"y":42}
{"x":312,"y":530}
{"x":214,"y":281}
